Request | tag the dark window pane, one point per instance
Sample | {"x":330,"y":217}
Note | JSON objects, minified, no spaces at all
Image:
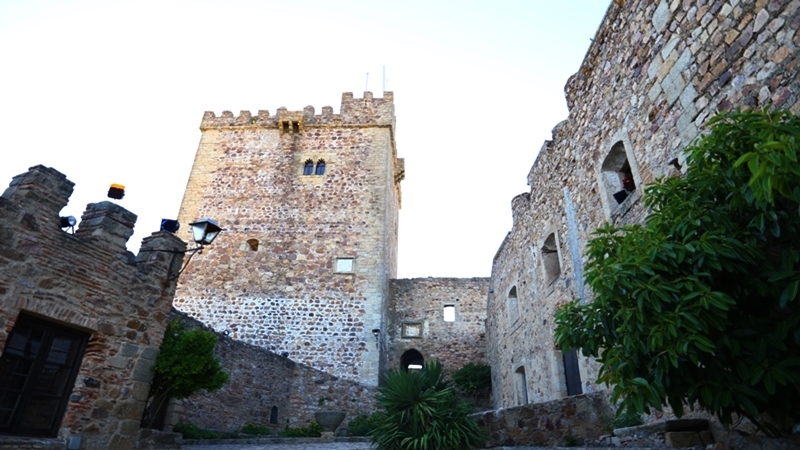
{"x":8,"y":402}
{"x":39,"y":413}
{"x":35,"y":385}
{"x":308,"y":169}
{"x":321,"y":168}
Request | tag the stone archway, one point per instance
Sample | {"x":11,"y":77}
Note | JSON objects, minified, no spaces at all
{"x":412,"y":359}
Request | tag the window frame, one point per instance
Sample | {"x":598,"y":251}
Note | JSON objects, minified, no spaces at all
{"x":39,"y":361}
{"x":344,"y":258}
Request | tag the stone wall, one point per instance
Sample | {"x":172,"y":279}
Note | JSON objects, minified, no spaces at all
{"x":272,"y":278}
{"x":260,"y":380}
{"x":557,"y":423}
{"x":654,"y":73}
{"x":85,"y":283}
{"x":416,"y":320}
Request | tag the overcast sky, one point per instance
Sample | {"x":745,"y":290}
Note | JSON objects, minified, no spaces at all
{"x":114,"y":91}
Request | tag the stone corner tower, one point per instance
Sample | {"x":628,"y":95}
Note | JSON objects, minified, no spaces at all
{"x":309,"y":204}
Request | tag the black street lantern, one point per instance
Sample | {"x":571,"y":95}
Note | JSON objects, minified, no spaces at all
{"x":204,"y":231}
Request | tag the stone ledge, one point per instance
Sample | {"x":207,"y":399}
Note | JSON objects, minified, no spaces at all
{"x":275,"y":440}
{"x":25,"y":443}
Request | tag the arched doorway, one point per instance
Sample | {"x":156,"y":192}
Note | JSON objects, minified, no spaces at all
{"x":412,"y":359}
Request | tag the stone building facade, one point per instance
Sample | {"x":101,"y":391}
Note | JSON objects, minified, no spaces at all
{"x":655,"y":72}
{"x":306,"y":267}
{"x":437,"y":318}
{"x":81,"y":318}
{"x":310,"y":206}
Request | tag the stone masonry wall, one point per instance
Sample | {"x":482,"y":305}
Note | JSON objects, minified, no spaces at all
{"x":556,"y":423}
{"x":260,"y":380}
{"x":655,"y":72}
{"x":417,"y":304}
{"x":270,"y":279}
{"x":89,"y":282}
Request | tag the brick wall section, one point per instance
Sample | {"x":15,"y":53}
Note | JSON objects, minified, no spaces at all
{"x":259,"y":380}
{"x":421,"y":301}
{"x":87,"y":281}
{"x":655,"y":72}
{"x":285,"y":296}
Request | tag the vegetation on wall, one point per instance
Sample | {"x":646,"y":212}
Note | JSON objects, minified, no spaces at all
{"x":699,"y":305}
{"x":185,"y":365}
{"x":473,"y":379}
{"x":363,"y":424}
{"x":422,"y":412}
{"x":312,"y":430}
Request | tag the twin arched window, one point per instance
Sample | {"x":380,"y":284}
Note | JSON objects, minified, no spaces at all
{"x":308,"y":168}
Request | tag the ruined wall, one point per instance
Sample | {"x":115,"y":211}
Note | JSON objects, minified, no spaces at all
{"x":655,"y":72}
{"x":416,"y":320}
{"x":281,"y":290}
{"x":90,"y":283}
{"x":260,"y":380}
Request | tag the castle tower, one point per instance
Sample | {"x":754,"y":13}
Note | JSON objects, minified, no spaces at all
{"x":309,"y":204}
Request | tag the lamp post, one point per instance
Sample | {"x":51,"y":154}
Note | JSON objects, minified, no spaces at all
{"x":204,"y":231}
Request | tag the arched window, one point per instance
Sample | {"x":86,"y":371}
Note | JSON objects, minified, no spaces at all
{"x":552,"y":264}
{"x":513,"y":305}
{"x":253,"y":244}
{"x":273,"y":415}
{"x":308,"y":169}
{"x":619,"y":178}
{"x":520,"y":386}
{"x":412,"y":359}
{"x":320,"y":167}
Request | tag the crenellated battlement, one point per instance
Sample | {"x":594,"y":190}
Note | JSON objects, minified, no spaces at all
{"x":367,"y":110}
{"x":41,"y":192}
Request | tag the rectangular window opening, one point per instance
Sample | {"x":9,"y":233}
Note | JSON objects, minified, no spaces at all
{"x":344,"y":265}
{"x":449,"y":313}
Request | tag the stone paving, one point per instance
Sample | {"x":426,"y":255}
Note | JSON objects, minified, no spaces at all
{"x":278,"y":446}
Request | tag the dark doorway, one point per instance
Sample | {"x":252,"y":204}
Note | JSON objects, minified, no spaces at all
{"x":273,"y":415}
{"x":37,"y":372}
{"x":412,"y":359}
{"x":572,"y":373}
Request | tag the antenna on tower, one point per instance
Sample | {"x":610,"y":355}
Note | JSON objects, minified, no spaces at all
{"x":366,"y":87}
{"x":384,"y":78}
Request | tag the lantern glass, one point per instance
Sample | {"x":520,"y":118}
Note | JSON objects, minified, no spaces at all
{"x":204,"y":231}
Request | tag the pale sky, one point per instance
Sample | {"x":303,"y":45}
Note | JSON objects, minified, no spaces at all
{"x":114,"y":91}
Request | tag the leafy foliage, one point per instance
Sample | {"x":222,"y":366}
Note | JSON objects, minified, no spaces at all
{"x":473,"y":378}
{"x":312,"y":430}
{"x":699,"y":305}
{"x":185,"y":365}
{"x":625,"y":419}
{"x":362,"y":424}
{"x":191,"y":431}
{"x":256,"y":429}
{"x":422,"y":412}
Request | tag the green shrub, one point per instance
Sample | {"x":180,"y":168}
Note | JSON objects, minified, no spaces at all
{"x":312,"y":430}
{"x":473,"y":379}
{"x":625,"y":419}
{"x":570,"y":440}
{"x":185,"y":365}
{"x":699,"y":304}
{"x":363,"y":424}
{"x":254,"y":428}
{"x":191,"y":431}
{"x":422,"y":412}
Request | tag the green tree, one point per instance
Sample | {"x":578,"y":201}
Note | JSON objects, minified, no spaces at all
{"x":699,"y":304}
{"x":473,"y":379}
{"x":185,"y":365}
{"x":422,"y":412}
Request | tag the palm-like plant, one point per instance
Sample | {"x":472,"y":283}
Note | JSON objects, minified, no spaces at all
{"x":422,"y":412}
